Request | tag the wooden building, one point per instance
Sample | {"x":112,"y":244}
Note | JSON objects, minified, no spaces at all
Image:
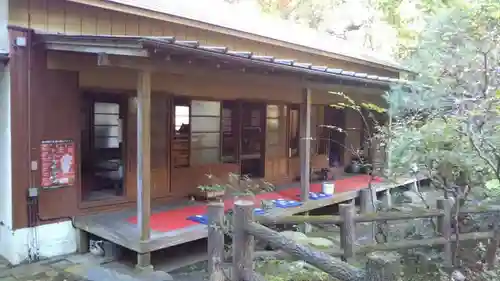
{"x":138,"y":107}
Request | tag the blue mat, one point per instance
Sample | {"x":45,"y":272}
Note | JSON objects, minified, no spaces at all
{"x":199,"y":219}
{"x":317,"y":195}
{"x":282,"y":203}
{"x":259,"y":212}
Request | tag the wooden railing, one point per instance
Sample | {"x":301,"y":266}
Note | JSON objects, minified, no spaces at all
{"x":379,"y":267}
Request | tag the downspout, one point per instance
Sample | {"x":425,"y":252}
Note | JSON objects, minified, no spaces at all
{"x":31,"y":208}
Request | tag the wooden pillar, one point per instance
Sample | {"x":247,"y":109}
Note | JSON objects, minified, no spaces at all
{"x":347,"y":230}
{"x":305,"y":144}
{"x":215,"y":242}
{"x":366,"y":207}
{"x":144,"y":162}
{"x":243,"y":243}
{"x":444,"y":227}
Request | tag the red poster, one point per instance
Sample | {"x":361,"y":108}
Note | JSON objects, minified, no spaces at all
{"x":57,"y":163}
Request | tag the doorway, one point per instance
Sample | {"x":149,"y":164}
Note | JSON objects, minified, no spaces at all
{"x":335,"y":117}
{"x":253,"y":135}
{"x":103,"y":146}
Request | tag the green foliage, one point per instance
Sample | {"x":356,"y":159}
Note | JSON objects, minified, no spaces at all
{"x":282,"y":270}
{"x":448,"y":123}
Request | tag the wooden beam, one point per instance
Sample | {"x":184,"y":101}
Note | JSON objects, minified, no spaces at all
{"x":305,"y":144}
{"x":87,"y":62}
{"x":162,"y":65}
{"x":144,"y":162}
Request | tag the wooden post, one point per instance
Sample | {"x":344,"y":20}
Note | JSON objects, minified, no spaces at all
{"x":305,"y":144}
{"x":144,"y":162}
{"x":366,"y":206}
{"x":491,"y":251}
{"x":347,"y":230}
{"x":387,"y":199}
{"x":444,"y":227}
{"x":305,"y":150}
{"x":243,"y":243}
{"x":383,"y":266}
{"x":215,"y":244}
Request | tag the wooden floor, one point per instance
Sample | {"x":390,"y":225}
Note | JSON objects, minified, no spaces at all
{"x":114,"y":227}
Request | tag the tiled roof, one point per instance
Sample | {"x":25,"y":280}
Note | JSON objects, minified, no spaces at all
{"x":243,"y":58}
{"x":243,"y":19}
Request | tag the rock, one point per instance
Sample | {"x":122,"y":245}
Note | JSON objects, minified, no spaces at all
{"x":105,"y":274}
{"x":412,"y":197}
{"x":320,"y":242}
{"x":315,"y":242}
{"x":296,"y":236}
{"x":457,"y":276}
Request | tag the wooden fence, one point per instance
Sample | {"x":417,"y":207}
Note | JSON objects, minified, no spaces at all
{"x":379,"y":267}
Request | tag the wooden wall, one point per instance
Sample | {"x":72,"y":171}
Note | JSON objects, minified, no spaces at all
{"x":54,"y":98}
{"x":71,"y":18}
{"x":45,"y":106}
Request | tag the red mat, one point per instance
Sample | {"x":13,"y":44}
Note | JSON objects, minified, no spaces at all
{"x":173,"y":219}
{"x":176,"y":219}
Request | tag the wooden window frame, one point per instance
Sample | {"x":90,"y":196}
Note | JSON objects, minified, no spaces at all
{"x":219,"y":132}
{"x":291,"y":108}
{"x":180,"y":101}
{"x":277,"y":130}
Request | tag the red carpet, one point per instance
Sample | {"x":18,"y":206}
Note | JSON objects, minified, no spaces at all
{"x":176,"y":219}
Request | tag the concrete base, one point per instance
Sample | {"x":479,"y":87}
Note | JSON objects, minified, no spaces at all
{"x":46,"y":241}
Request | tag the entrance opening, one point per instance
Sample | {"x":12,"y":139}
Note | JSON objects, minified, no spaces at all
{"x":103,"y":149}
{"x":335,"y":117}
{"x":253,"y":134}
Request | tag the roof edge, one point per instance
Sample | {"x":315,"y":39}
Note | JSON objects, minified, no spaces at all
{"x":149,"y":13}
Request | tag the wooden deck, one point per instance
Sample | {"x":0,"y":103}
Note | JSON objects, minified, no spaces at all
{"x":114,"y":227}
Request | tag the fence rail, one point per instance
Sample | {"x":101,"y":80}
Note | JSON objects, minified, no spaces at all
{"x":378,"y":267}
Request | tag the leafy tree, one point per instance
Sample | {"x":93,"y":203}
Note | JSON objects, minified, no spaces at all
{"x":447,"y":123}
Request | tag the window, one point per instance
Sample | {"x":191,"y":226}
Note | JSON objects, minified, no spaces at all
{"x":205,"y":132}
{"x":180,"y":144}
{"x":107,"y":125}
{"x":273,"y":125}
{"x":322,"y":131}
{"x":294,"y":131}
{"x":229,"y":138}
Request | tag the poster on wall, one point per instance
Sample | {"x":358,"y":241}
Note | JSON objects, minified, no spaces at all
{"x":57,"y":163}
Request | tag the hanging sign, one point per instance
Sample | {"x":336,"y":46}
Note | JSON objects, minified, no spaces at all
{"x":57,"y":159}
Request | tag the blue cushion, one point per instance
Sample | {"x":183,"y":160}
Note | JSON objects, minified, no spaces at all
{"x":283,"y":203}
{"x":258,"y":211}
{"x":199,"y":219}
{"x":317,"y":195}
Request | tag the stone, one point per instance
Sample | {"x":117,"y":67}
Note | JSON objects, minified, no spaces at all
{"x":27,"y":270}
{"x":77,"y":269}
{"x":8,"y":278}
{"x":106,"y":274}
{"x":412,"y":197}
{"x":62,"y":264}
{"x":320,"y":242}
{"x":87,"y":259}
{"x":158,"y":276}
{"x":296,"y":236}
